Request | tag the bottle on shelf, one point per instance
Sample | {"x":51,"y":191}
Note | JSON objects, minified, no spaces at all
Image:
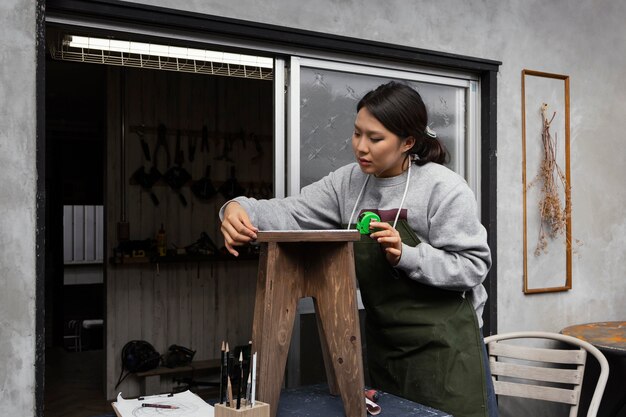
{"x":161,"y":242}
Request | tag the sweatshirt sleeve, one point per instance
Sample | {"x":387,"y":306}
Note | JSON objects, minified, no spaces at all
{"x":456,"y":256}
{"x":317,"y":207}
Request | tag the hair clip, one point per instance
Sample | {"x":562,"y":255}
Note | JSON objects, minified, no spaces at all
{"x":430,"y":133}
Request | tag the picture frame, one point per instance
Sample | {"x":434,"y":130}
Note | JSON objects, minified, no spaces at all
{"x":548,"y":263}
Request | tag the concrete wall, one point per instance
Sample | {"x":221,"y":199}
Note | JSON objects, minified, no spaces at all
{"x":583,"y":39}
{"x":17,"y":207}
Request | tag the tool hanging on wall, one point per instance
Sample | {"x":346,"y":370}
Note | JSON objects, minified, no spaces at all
{"x":226,"y":149}
{"x":177,"y":176}
{"x":203,"y":188}
{"x":231,"y":187}
{"x":161,"y":143}
{"x":257,"y":147}
{"x":144,"y":145}
{"x":227,"y":138}
{"x":123,"y":227}
{"x":192,"y":138}
{"x":204,"y":146}
{"x":192,"y":141}
{"x":203,"y":246}
{"x":146,"y":180}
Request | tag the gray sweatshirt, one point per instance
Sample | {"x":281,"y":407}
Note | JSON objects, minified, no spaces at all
{"x":439,"y":207}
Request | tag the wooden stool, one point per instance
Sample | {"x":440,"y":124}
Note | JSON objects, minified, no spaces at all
{"x":317,"y":264}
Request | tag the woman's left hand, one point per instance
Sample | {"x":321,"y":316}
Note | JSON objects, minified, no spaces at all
{"x":389,"y":239}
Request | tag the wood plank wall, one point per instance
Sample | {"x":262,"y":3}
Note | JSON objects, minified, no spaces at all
{"x":196,"y":305}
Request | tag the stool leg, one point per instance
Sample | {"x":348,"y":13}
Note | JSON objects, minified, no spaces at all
{"x":333,"y":286}
{"x":259,"y":303}
{"x":273,"y":323}
{"x":328,"y":360}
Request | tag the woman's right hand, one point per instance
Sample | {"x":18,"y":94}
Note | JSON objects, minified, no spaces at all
{"x":236,"y":227}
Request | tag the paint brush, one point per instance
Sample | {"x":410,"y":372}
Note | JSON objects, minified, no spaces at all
{"x":240,"y":379}
{"x":247,"y":370}
{"x":222,"y":373}
{"x":229,"y":393}
{"x":248,"y":361}
{"x":253,"y":379}
{"x":249,"y":388}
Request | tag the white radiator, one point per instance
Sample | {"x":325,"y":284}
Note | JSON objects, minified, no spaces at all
{"x":83,"y":234}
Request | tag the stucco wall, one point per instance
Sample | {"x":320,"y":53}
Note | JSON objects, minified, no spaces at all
{"x":17,"y":207}
{"x":583,"y":39}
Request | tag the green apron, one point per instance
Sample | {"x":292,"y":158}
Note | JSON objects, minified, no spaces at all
{"x":423,"y":343}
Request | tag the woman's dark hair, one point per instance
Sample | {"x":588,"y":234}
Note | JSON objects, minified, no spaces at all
{"x":401,"y":110}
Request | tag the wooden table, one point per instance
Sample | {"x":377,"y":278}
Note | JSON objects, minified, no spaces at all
{"x":610,"y":338}
{"x":316,"y":401}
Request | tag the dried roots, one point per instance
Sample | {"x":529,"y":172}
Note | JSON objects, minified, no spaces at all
{"x":554,"y":214}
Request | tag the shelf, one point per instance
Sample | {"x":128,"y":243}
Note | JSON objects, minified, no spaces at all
{"x":180,"y":259}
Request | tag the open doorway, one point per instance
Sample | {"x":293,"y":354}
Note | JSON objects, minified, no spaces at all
{"x":75,"y":167}
{"x":107,"y":283}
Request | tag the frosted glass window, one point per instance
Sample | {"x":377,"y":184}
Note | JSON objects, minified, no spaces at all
{"x":328,"y":102}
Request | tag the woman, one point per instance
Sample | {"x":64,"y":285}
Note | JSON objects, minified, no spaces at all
{"x":419,"y":271}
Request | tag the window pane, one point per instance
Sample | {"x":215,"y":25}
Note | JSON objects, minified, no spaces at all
{"x":328,"y":102}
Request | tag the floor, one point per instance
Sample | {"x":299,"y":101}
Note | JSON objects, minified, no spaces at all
{"x":74,"y":384}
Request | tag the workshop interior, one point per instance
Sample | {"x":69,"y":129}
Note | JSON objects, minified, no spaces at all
{"x":139,"y":160}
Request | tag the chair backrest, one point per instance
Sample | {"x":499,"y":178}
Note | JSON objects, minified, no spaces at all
{"x":523,"y":371}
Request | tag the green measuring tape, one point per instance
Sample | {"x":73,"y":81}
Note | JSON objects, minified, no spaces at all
{"x":363,"y":222}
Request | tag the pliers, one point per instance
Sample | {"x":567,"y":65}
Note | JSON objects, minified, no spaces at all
{"x":161,"y":142}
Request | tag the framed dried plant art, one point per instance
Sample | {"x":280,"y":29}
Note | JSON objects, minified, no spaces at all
{"x":546,"y":181}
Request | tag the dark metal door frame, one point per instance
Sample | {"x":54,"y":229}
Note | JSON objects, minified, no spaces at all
{"x":144,"y":16}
